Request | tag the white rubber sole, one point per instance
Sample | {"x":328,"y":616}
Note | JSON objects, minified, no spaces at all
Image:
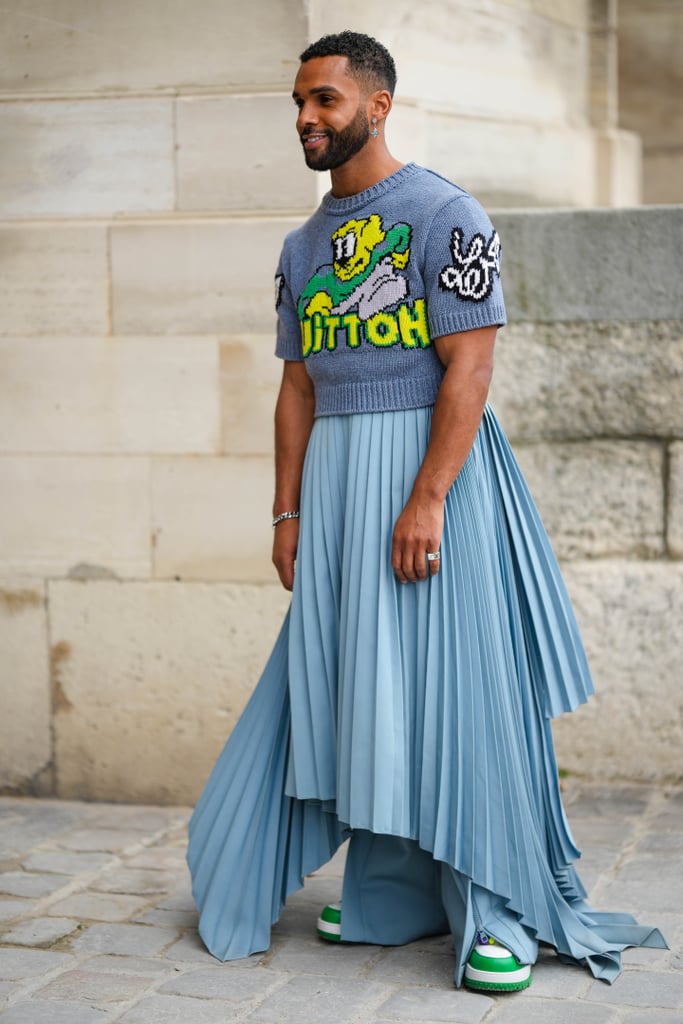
{"x":327,"y":928}
{"x":498,"y":977}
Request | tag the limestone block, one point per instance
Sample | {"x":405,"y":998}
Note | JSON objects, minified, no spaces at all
{"x":663,"y":175}
{"x":630,"y":615}
{"x":493,"y":59}
{"x":241,"y":153}
{"x":618,"y":169}
{"x":54,"y":279}
{"x":87,"y":158}
{"x":592,"y":264}
{"x":675,"y":504}
{"x":582,"y":380}
{"x":512,"y":163}
{"x":154,"y":676}
{"x":196,"y":277}
{"x":47,"y":46}
{"x":25,"y":700}
{"x":211,"y":518}
{"x":407,"y":130}
{"x":250,"y":378}
{"x":600,"y":499}
{"x":109,"y":395}
{"x":651,"y":70}
{"x":85,"y":515}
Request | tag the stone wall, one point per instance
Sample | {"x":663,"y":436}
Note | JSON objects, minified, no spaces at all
{"x":589,"y":386}
{"x":149,"y":174}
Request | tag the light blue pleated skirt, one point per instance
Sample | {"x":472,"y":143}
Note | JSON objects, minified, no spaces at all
{"x":419,"y":711}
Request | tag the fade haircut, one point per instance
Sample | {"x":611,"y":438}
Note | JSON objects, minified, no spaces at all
{"x":369,"y":61}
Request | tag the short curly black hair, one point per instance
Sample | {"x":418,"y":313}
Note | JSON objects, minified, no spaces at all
{"x":369,"y":61}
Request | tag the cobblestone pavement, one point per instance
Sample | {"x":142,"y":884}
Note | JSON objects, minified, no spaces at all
{"x":97,"y":925}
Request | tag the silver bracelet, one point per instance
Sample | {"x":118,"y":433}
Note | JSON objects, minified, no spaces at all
{"x":283,"y":516}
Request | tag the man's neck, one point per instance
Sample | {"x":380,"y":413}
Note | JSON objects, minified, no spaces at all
{"x":363,"y":171}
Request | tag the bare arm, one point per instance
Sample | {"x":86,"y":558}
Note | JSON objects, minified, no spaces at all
{"x":293,"y":422}
{"x":468,"y":358}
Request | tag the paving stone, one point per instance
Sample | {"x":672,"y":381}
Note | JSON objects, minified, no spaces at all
{"x":319,"y":957}
{"x":442,"y":945}
{"x":131,"y":965}
{"x":323,"y":1000}
{"x":170,"y":918}
{"x":591,"y":832}
{"x":605,"y":801}
{"x":97,"y":987}
{"x":408,"y":966}
{"x":22,"y":883}
{"x":159,"y":858}
{"x":35,"y":1011}
{"x":26,"y":824}
{"x":557,"y":980}
{"x":177,"y":1010}
{"x":641,"y":988}
{"x":297,"y":922}
{"x":66,"y":863}
{"x":424,"y":1004}
{"x":224,"y":981}
{"x":27,"y":963}
{"x":179,"y":901}
{"x":13,"y":908}
{"x":317,"y":893}
{"x":99,"y":906}
{"x":520,"y":1009}
{"x":649,"y":868}
{"x":641,"y":956}
{"x":598,"y":860}
{"x":7,"y":989}
{"x":135,"y":881}
{"x":657,"y":1016}
{"x":139,"y":818}
{"x":191,"y":949}
{"x":100,"y":839}
{"x":40,"y":931}
{"x":662,"y":840}
{"x":646,"y":899}
{"x":124,"y":939}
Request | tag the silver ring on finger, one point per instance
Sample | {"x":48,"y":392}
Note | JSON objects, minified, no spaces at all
{"x":433,"y":556}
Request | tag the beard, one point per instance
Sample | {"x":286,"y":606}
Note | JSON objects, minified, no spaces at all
{"x":341,"y":146}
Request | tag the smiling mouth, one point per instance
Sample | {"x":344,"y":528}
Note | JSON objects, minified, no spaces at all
{"x":312,"y":139}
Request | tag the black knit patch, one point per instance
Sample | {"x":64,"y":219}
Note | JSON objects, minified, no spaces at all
{"x":279,"y":285}
{"x":471,"y":275}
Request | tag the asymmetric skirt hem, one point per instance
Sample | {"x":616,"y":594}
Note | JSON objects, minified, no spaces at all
{"x":419,"y":711}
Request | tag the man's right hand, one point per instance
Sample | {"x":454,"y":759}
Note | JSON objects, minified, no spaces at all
{"x":285,"y":544}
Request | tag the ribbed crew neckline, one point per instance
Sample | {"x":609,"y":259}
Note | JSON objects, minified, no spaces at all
{"x":347,"y":204}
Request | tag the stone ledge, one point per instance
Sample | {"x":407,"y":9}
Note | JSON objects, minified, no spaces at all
{"x":592,"y":264}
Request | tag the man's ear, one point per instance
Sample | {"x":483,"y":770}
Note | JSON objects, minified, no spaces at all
{"x":380,"y":104}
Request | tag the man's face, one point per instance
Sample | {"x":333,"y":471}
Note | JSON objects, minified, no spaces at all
{"x":332,"y":121}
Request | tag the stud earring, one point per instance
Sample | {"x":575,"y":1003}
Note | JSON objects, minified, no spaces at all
{"x":374,"y":131}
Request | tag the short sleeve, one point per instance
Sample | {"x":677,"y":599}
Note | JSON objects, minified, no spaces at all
{"x":462,"y":269}
{"x":288,"y":344}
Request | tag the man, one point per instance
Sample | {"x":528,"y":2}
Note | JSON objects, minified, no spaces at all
{"x":430,"y":638}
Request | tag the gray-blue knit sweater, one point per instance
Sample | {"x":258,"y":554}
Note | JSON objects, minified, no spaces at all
{"x":366,"y":284}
